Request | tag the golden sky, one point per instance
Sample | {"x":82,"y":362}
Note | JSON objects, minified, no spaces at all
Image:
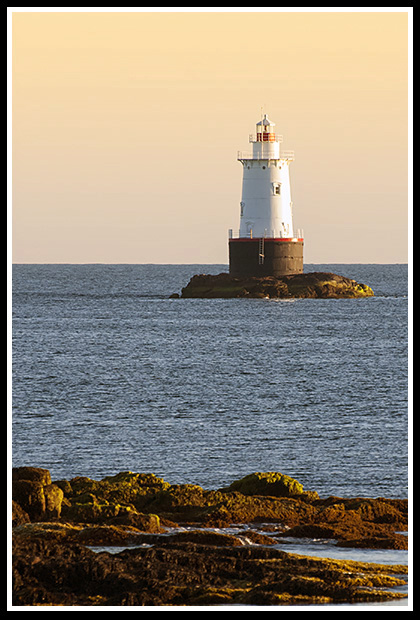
{"x":126,"y":127}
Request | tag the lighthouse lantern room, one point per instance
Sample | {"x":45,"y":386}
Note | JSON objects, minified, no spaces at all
{"x":266,"y":243}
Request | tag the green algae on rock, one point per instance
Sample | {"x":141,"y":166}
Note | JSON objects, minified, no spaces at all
{"x":268,"y":483}
{"x":148,"y":503}
{"x":316,"y":285}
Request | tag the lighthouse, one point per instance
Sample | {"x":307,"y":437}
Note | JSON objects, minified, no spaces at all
{"x":266,"y":243}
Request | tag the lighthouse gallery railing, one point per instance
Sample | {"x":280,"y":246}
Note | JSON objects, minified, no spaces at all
{"x":285,"y":155}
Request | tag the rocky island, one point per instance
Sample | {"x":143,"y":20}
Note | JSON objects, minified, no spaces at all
{"x":302,"y":285}
{"x":133,"y":539}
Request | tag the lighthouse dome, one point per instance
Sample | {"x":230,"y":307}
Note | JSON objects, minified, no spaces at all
{"x":265,"y":121}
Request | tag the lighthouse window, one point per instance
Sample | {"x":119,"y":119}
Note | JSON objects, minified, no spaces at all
{"x":276,"y":189}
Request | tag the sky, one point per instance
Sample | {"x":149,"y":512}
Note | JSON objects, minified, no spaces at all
{"x":125,"y":128}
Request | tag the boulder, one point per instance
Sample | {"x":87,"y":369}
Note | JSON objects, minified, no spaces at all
{"x":34,"y":474}
{"x":53,"y":500}
{"x":34,"y":492}
{"x":30,"y":496}
{"x":269,"y":483}
{"x":19,"y":516}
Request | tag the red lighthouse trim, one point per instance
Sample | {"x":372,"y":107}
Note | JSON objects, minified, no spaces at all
{"x":266,"y":239}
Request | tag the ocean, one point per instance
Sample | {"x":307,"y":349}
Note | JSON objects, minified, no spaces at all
{"x":110,"y":374}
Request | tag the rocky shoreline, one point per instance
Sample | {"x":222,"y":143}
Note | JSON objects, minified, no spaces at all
{"x":169,"y":548}
{"x":316,"y":285}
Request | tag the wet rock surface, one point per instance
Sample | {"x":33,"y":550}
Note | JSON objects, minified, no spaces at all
{"x":303,"y":285}
{"x":164,"y":545}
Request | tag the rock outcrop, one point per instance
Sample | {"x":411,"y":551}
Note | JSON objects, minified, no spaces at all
{"x":303,"y":285}
{"x":35,"y":497}
{"x":168,"y":552}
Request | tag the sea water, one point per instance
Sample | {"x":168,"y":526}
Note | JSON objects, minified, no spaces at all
{"x":110,"y":374}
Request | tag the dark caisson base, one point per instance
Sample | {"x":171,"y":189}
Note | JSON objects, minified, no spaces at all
{"x":265,"y":257}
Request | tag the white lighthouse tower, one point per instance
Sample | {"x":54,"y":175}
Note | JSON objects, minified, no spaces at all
{"x":266,"y":243}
